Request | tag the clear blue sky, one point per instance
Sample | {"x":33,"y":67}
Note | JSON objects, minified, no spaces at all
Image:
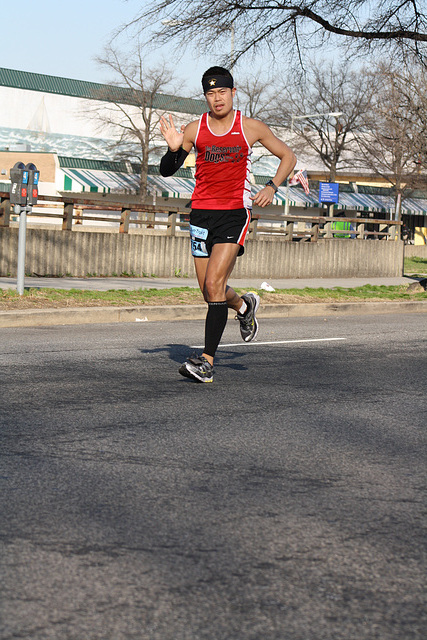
{"x":62,"y":38}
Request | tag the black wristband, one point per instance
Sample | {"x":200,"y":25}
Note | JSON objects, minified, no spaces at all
{"x":270,"y":183}
{"x":172,"y":161}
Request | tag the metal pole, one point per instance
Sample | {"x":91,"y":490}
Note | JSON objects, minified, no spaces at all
{"x":287,"y":179}
{"x":398,"y":207}
{"x":22,"y":212}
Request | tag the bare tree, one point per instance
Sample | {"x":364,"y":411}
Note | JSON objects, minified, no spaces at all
{"x":393,"y":144}
{"x":306,"y":105}
{"x":410,"y":83}
{"x":254,"y":95}
{"x":135,"y":121}
{"x":400,"y":25}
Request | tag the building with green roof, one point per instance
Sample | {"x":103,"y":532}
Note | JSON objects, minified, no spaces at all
{"x":51,"y":114}
{"x":38,"y":82}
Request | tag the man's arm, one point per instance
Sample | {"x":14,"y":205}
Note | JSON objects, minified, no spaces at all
{"x":172,"y":161}
{"x":179,"y":145}
{"x":257,"y":131}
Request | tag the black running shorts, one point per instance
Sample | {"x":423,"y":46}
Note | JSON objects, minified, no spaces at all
{"x":209,"y":227}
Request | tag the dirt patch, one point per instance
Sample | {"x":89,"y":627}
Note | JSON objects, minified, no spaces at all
{"x":288,"y":298}
{"x":39,"y":300}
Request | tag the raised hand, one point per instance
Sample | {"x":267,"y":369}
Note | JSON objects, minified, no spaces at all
{"x":173,"y":137}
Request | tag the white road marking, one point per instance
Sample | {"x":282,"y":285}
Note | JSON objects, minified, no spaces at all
{"x":241,"y":344}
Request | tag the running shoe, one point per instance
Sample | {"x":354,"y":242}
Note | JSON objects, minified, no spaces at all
{"x":248,"y":321}
{"x":197,"y":368}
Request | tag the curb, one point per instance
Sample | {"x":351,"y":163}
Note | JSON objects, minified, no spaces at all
{"x":106,"y":315}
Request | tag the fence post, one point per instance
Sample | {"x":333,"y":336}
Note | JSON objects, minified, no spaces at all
{"x":254,"y":227}
{"x":328,"y":230}
{"x":314,"y":232}
{"x":383,"y":227}
{"x":4,"y":212}
{"x":124,"y":220}
{"x":361,"y":231}
{"x":289,"y":231}
{"x":172,"y":223}
{"x":67,"y":220}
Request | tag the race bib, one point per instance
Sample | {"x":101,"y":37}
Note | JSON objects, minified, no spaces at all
{"x":198,"y":237}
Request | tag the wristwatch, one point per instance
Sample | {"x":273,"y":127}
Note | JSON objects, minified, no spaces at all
{"x":270,"y":183}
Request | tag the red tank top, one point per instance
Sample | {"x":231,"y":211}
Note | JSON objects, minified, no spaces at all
{"x":223,"y":164}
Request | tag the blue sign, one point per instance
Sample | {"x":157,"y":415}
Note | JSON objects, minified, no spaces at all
{"x":328,"y":192}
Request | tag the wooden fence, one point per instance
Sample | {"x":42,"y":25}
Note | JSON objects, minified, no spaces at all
{"x":145,"y":239}
{"x":171,"y":220}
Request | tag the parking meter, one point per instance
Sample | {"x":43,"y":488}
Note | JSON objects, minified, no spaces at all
{"x":19,"y":184}
{"x":24,"y":191}
{"x":33,"y":183}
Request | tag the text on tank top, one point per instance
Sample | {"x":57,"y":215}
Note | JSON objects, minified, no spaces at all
{"x":223,"y":165}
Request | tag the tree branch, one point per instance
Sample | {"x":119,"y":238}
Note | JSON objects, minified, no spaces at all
{"x":399,"y":23}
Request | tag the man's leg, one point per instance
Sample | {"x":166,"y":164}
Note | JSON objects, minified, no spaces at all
{"x":213,"y":274}
{"x":215,"y":283}
{"x":234,"y":301}
{"x":212,"y":279}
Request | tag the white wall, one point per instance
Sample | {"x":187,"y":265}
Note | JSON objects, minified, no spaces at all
{"x":19,"y":108}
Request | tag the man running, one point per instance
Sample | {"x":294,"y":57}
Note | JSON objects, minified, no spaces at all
{"x":221,"y":204}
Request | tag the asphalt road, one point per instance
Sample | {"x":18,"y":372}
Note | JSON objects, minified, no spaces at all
{"x":284,"y":501}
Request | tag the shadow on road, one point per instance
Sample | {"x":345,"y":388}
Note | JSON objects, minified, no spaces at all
{"x":179,"y":352}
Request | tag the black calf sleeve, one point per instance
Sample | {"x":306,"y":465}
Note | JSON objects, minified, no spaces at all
{"x":216,"y":319}
{"x":172,"y":161}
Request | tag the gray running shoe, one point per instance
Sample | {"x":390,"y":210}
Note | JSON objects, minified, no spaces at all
{"x":197,"y":368}
{"x":248,"y":321}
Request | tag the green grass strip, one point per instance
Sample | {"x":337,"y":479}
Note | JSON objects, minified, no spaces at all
{"x":42,"y":297}
{"x":415,"y":266}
